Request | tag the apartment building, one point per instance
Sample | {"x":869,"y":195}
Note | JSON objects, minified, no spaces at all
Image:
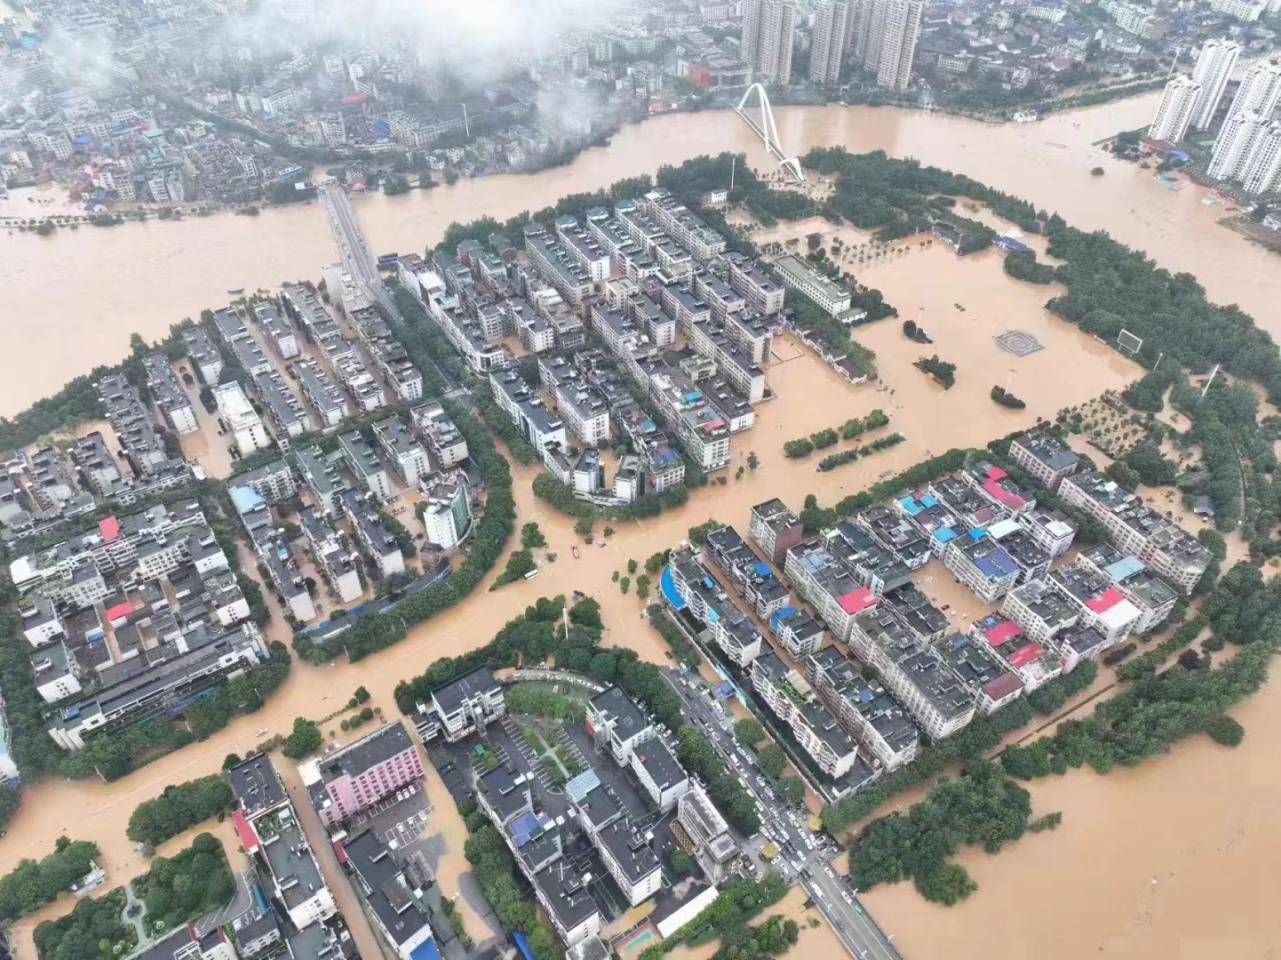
{"x":243,"y":422}
{"x":630,"y":860}
{"x":982,"y":564}
{"x":355,"y":777}
{"x":1102,"y":605}
{"x":270,"y":483}
{"x":332,"y":555}
{"x":999,"y":488}
{"x":876,"y":719}
{"x":1044,"y":457}
{"x":775,"y":529}
{"x":614,"y":719}
{"x":727,"y":627}
{"x":815,"y":728}
{"x":1049,"y":529}
{"x":896,"y":533}
{"x":708,"y":833}
{"x":1035,"y":664}
{"x":167,"y":394}
{"x":750,"y":576}
{"x":329,"y":403}
{"x":320,"y":477}
{"x":828,"y":585}
{"x":914,"y":672}
{"x":269,"y":832}
{"x":445,"y":442}
{"x":372,"y":534}
{"x":402,"y":450}
{"x":1153,"y":597}
{"x":761,"y":291}
{"x":1136,"y":529}
{"x":798,"y":631}
{"x":398,"y":914}
{"x":990,"y":681}
{"x":362,"y":460}
{"x":461,"y":707}
{"x":659,"y":773}
{"x":831,"y":297}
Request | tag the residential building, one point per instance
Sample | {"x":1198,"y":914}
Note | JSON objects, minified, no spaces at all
{"x":168,"y":395}
{"x":243,"y":422}
{"x":268,"y":828}
{"x":271,"y":483}
{"x":914,"y":672}
{"x":982,"y":564}
{"x":1034,"y":663}
{"x":1102,"y":605}
{"x":630,"y":860}
{"x":563,"y":894}
{"x":445,"y":442}
{"x":363,"y":461}
{"x":401,"y":448}
{"x":395,"y":905}
{"x":750,"y":576}
{"x":612,"y":718}
{"x":333,"y":556}
{"x":831,"y":296}
{"x":876,"y":719}
{"x":827,"y":48}
{"x":1175,"y":111}
{"x":446,"y":511}
{"x":1045,"y":457}
{"x":461,"y":707}
{"x":798,"y":631}
{"x":1234,"y":148}
{"x":769,"y":28}
{"x":828,"y":584}
{"x":762,"y":293}
{"x":1263,"y":171}
{"x":1214,"y":65}
{"x":775,"y":528}
{"x":815,"y":727}
{"x":886,"y":35}
{"x":1041,"y":610}
{"x":1259,"y":91}
{"x":659,"y":773}
{"x":372,"y":534}
{"x":708,"y":833}
{"x":1049,"y":529}
{"x":1136,"y":529}
{"x":992,"y":683}
{"x":735,"y":634}
{"x":320,"y":477}
{"x":360,"y":774}
{"x":1153,"y":597}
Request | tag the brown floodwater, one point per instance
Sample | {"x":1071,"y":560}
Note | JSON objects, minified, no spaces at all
{"x":1174,"y":858}
{"x":72,"y":299}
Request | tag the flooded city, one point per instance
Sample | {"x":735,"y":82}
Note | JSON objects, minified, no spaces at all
{"x":1131,"y":871}
{"x":138,"y":276}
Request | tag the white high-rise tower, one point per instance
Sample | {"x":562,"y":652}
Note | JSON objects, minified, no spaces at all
{"x":827,"y":49}
{"x":769,"y":30}
{"x":1235,"y":145}
{"x":1260,"y":89}
{"x":1263,"y":172}
{"x":886,"y":32}
{"x":1214,"y":65}
{"x":1175,"y":111}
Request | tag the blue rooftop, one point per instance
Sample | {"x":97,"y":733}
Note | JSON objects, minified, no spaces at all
{"x":670,"y":593}
{"x":911,"y":505}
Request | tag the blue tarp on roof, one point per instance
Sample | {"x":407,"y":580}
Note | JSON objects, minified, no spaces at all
{"x":524,"y":827}
{"x":911,"y":505}
{"x":762,"y":568}
{"x":944,"y":534}
{"x":245,"y":499}
{"x":928,"y":501}
{"x":781,"y":615}
{"x":426,"y":951}
{"x":976,"y":533}
{"x":997,"y":563}
{"x":670,"y":593}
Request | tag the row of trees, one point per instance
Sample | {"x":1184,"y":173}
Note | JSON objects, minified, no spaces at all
{"x":851,"y":429}
{"x":835,"y":460}
{"x":496,"y":873}
{"x":179,"y":806}
{"x":186,"y":886}
{"x":556,"y":494}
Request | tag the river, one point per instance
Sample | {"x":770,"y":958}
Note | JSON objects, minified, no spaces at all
{"x":73,"y":298}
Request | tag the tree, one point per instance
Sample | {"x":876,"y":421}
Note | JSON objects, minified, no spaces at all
{"x":1223,"y":729}
{"x":749,"y":731}
{"x":792,"y":791}
{"x":584,"y":526}
{"x":531,"y":537}
{"x":772,"y":761}
{"x":752,"y":460}
{"x":305,"y":738}
{"x":680,"y":861}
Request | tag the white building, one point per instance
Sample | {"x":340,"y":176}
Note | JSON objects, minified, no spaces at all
{"x":769,"y":28}
{"x":1263,"y":172}
{"x":827,"y":48}
{"x":446,"y":514}
{"x":1235,"y":145}
{"x":1174,"y":113}
{"x":1260,"y":89}
{"x":242,"y":421}
{"x":1214,"y":65}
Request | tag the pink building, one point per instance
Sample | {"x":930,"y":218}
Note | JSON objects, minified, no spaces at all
{"x":366,"y":771}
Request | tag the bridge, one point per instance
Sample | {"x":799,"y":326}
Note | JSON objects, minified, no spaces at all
{"x":767,"y":130}
{"x":361,"y":265}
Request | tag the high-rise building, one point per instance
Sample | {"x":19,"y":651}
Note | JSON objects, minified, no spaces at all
{"x":769,"y":28}
{"x":831,"y":20}
{"x":1234,"y":147}
{"x":883,"y":38}
{"x":1175,"y":111}
{"x":1260,"y":90}
{"x":1263,"y":172}
{"x":1214,"y":65}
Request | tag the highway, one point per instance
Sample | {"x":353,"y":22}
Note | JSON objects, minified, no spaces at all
{"x":805,"y":857}
{"x":359,"y":261}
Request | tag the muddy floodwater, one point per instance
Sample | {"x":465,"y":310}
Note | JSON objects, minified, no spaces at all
{"x":72,"y":299}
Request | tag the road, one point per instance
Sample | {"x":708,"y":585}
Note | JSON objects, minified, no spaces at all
{"x":359,"y":261}
{"x":805,"y":857}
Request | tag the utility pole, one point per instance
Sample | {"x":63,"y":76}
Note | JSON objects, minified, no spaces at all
{"x":466,"y":123}
{"x":1213,"y":373}
{"x":733,"y":167}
